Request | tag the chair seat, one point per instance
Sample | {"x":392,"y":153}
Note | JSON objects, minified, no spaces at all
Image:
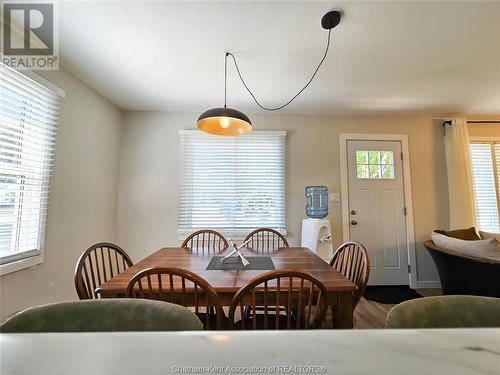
{"x":106,"y":315}
{"x":446,"y":312}
{"x":271,"y":322}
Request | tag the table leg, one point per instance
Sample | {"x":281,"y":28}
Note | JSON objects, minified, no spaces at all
{"x":342,"y":311}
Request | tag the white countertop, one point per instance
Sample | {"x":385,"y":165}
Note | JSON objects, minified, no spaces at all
{"x":444,"y":351}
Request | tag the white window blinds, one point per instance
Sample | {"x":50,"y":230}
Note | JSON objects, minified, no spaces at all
{"x":485,"y":159}
{"x":28,"y":119}
{"x":232,"y":184}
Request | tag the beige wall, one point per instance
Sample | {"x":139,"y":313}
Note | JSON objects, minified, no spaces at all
{"x":149,"y":171}
{"x":83,"y":197}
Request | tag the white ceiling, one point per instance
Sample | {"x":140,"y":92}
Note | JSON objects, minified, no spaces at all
{"x":422,"y":57}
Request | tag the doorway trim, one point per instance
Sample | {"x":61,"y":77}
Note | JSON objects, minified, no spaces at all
{"x":344,"y":191}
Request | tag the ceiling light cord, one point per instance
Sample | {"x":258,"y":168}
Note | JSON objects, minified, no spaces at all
{"x":251,"y":93}
{"x":225,"y":80}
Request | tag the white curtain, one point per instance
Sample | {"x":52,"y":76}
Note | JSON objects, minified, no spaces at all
{"x":461,"y":195}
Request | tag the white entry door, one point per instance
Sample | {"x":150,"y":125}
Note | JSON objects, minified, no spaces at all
{"x":377,"y":208}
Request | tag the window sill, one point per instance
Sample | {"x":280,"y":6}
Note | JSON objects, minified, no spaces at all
{"x":20,"y":264}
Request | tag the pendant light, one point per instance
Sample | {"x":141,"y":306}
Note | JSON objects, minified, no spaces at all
{"x":229,"y":121}
{"x":224,"y":121}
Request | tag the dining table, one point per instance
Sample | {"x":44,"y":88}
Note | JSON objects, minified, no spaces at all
{"x":228,"y":282}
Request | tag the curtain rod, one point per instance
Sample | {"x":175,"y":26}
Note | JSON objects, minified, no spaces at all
{"x":448,"y":122}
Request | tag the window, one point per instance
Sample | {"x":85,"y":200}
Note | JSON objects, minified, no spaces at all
{"x":28,"y":117}
{"x":232,"y":184}
{"x":374,"y":164}
{"x":485,"y":159}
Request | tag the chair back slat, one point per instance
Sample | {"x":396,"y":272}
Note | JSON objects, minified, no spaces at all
{"x":97,"y":267}
{"x":98,"y":264}
{"x":86,"y":285}
{"x":299,"y":309}
{"x":93,"y":272}
{"x":278,"y":300}
{"x":277,"y":303}
{"x":110,"y":264}
{"x":266,"y":240}
{"x":351,"y":260}
{"x":104,"y":263}
{"x":182,"y":287}
{"x":205,"y":241}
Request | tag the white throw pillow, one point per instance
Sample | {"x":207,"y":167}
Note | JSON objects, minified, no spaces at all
{"x":487,"y":235}
{"x":477,"y":246}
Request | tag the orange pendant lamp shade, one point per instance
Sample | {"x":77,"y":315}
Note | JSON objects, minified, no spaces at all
{"x":224,"y":121}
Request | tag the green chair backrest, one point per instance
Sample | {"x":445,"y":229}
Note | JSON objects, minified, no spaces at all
{"x":106,"y":315}
{"x":446,"y":312}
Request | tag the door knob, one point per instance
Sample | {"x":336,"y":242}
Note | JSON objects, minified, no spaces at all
{"x":354,"y":222}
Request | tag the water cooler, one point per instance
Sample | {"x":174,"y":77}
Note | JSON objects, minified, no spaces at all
{"x":317,"y":236}
{"x":316,"y":230}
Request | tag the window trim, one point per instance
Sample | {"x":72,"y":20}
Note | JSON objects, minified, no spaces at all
{"x":42,"y":81}
{"x":491,"y":141}
{"x":240,"y":233}
{"x":17,"y":265}
{"x":254,"y":132}
{"x":33,"y":257}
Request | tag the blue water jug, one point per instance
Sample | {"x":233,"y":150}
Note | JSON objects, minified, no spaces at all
{"x":316,"y":202}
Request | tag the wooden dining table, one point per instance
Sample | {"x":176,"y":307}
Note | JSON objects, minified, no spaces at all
{"x":228,"y":282}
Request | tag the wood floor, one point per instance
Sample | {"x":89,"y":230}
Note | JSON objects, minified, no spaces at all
{"x":370,"y":314}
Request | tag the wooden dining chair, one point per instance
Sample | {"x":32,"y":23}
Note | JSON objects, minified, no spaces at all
{"x":182,"y":287}
{"x":266,"y":239}
{"x":351,"y":260}
{"x":98,"y":264}
{"x":281,"y":299}
{"x":205,"y":241}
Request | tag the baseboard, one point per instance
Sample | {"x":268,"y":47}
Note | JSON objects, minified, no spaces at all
{"x":428,"y":284}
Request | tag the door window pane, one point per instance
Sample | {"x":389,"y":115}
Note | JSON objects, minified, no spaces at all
{"x":374,"y":157}
{"x":362,"y":171}
{"x":362,"y":157}
{"x":374,"y":164}
{"x":387,"y":171}
{"x":386,"y":157}
{"x":374,"y":171}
